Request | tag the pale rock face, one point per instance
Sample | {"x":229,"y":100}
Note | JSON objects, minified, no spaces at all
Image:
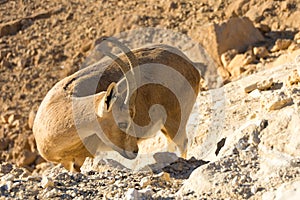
{"x":285,"y":60}
{"x":285,"y":191}
{"x":294,"y":142}
{"x":276,"y":100}
{"x":246,"y":162}
{"x":258,"y":116}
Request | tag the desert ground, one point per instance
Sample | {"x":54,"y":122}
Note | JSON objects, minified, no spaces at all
{"x":244,"y":129}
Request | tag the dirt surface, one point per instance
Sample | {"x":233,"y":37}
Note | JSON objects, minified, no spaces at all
{"x":42,"y":42}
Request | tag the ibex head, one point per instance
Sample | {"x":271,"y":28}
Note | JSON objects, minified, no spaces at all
{"x":56,"y":130}
{"x":116,"y":108}
{"x":111,"y":111}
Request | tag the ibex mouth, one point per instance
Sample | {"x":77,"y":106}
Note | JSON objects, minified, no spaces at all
{"x":129,"y":155}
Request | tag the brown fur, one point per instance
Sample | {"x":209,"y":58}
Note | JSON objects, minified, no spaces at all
{"x":54,"y":129}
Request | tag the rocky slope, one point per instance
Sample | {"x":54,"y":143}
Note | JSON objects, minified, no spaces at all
{"x":42,"y":42}
{"x":251,"y":148}
{"x":255,"y":137}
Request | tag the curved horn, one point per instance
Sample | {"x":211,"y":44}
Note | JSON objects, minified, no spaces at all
{"x":131,"y":78}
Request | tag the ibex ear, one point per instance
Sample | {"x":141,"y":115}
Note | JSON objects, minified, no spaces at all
{"x":110,"y":96}
{"x":105,"y":100}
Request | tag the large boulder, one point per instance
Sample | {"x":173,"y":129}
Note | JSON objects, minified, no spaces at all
{"x":236,"y":33}
{"x":251,"y":137}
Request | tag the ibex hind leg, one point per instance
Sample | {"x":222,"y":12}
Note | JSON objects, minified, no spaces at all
{"x":171,"y":145}
{"x":180,"y":140}
{"x":72,"y":166}
{"x":69,"y":165}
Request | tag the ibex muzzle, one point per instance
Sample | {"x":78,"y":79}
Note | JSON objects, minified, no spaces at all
{"x":115,"y":105}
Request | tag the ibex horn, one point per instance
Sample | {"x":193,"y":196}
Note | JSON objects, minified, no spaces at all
{"x":131,"y":78}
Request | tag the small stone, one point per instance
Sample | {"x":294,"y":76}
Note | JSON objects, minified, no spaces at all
{"x":3,"y":53}
{"x":235,"y":67}
{"x":243,"y":179}
{"x":223,"y":73}
{"x":254,"y":189}
{"x":253,"y":138}
{"x":47,"y":182}
{"x":10,"y":119}
{"x":146,"y":193}
{"x":86,"y":47}
{"x":294,"y":46}
{"x":264,"y":28}
{"x":165,"y":157}
{"x":31,"y":118}
{"x":21,"y":62}
{"x":7,"y":177}
{"x":255,"y":94}
{"x":248,"y":58}
{"x":92,"y":31}
{"x":173,"y":6}
{"x":52,"y":194}
{"x":132,"y":194}
{"x":4,"y":119}
{"x":164,"y":176}
{"x":261,"y":52}
{"x":265,"y":84}
{"x":250,"y":87}
{"x":227,"y":57}
{"x":5,"y":168}
{"x":263,"y":123}
{"x":252,"y":116}
{"x":281,"y":44}
{"x":294,"y":78}
{"x":279,"y":103}
{"x":3,"y":143}
{"x":251,"y":152}
{"x":297,"y":37}
{"x":5,"y":63}
{"x":242,"y":144}
{"x":26,"y":158}
{"x":8,"y":185}
{"x":16,"y":123}
{"x":145,"y":181}
{"x":235,"y":181}
{"x":295,"y":162}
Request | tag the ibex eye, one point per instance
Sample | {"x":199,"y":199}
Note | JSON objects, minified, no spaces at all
{"x":122,"y":125}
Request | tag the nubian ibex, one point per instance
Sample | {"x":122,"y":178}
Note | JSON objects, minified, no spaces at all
{"x":114,"y":105}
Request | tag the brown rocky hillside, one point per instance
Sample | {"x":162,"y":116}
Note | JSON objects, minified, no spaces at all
{"x":250,"y":105}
